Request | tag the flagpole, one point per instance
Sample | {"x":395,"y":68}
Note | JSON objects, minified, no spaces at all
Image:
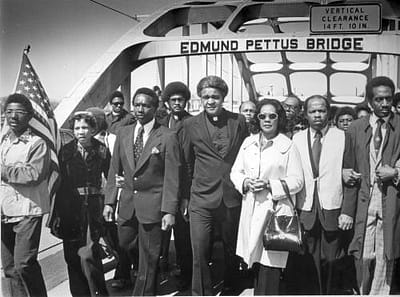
{"x":26,"y":51}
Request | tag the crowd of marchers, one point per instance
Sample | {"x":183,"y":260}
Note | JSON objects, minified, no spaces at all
{"x":130,"y":179}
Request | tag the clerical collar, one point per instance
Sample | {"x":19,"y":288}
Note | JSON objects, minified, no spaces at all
{"x":216,"y":118}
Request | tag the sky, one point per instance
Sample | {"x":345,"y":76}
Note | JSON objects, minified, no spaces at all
{"x":66,"y":37}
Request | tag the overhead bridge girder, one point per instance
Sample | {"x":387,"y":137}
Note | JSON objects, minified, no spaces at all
{"x":149,"y":40}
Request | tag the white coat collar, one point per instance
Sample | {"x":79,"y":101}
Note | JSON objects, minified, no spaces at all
{"x":281,"y":142}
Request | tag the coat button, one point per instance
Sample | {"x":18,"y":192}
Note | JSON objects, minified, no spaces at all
{"x":135,"y":178}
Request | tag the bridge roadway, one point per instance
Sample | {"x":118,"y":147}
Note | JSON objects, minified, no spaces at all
{"x":54,"y":269}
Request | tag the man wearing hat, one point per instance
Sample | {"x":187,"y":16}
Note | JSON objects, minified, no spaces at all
{"x":176,"y":94}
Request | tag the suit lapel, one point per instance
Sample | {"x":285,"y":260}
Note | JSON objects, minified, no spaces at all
{"x":152,"y":141}
{"x":128,"y":145}
{"x":389,"y":128}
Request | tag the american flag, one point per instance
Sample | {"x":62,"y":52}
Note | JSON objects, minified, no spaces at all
{"x":42,"y":122}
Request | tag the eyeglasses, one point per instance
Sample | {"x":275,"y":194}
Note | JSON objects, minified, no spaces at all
{"x":288,"y":107}
{"x":117,"y":103}
{"x":18,"y":112}
{"x":271,"y":116}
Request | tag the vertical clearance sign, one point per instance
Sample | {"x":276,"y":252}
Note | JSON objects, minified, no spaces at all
{"x":352,"y":18}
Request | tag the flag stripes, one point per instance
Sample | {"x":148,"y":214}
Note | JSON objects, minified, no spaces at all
{"x":42,"y":122}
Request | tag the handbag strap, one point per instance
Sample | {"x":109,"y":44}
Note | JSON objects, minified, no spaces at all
{"x":288,"y":196}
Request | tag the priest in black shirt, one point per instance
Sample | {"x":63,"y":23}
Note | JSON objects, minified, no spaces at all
{"x":211,"y":141}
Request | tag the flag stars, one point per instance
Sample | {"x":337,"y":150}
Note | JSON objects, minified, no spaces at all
{"x":25,"y":73}
{"x":27,"y":66}
{"x":21,"y":82}
{"x":26,"y":88}
{"x":30,"y":80}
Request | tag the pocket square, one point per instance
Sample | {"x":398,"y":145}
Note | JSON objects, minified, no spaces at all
{"x":155,"y":150}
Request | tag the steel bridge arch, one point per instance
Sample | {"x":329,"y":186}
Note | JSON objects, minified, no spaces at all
{"x":220,"y":21}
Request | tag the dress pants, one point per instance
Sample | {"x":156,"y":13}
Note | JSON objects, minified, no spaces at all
{"x":374,"y":271}
{"x":128,"y":239}
{"x":266,"y":279}
{"x":83,"y":255}
{"x":19,"y":251}
{"x":123,"y":269}
{"x":150,"y":237}
{"x":315,"y":272}
{"x":183,"y":248}
{"x":202,"y":222}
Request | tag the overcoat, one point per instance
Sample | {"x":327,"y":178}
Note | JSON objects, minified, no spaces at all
{"x":281,"y":160}
{"x":66,"y":219}
{"x":357,"y":198}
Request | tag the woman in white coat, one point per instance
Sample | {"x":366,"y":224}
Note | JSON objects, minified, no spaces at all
{"x":263,"y":160}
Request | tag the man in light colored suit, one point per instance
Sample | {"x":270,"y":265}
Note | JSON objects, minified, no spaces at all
{"x":320,"y":202}
{"x":147,"y":155}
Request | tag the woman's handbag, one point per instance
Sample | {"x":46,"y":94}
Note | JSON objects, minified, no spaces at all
{"x":283,"y":232}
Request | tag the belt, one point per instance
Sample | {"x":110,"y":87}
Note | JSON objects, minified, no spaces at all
{"x":88,"y":191}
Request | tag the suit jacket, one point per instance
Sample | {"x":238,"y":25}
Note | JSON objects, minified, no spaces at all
{"x":356,"y":198}
{"x":209,"y":172}
{"x":165,"y":120}
{"x":151,"y":185}
{"x":183,"y":175}
{"x":329,"y":182}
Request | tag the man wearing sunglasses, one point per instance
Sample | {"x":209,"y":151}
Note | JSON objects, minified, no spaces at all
{"x":292,"y":106}
{"x":118,"y":116}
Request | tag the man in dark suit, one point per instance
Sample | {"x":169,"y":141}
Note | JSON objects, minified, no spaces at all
{"x":372,"y":192}
{"x":147,"y":155}
{"x":211,"y":141}
{"x":176,"y":94}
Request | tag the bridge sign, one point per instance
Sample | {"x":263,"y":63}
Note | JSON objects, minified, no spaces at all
{"x":352,"y":18}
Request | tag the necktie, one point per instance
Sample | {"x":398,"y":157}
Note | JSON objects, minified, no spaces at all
{"x":316,"y":148}
{"x":138,"y":146}
{"x":378,"y":135}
